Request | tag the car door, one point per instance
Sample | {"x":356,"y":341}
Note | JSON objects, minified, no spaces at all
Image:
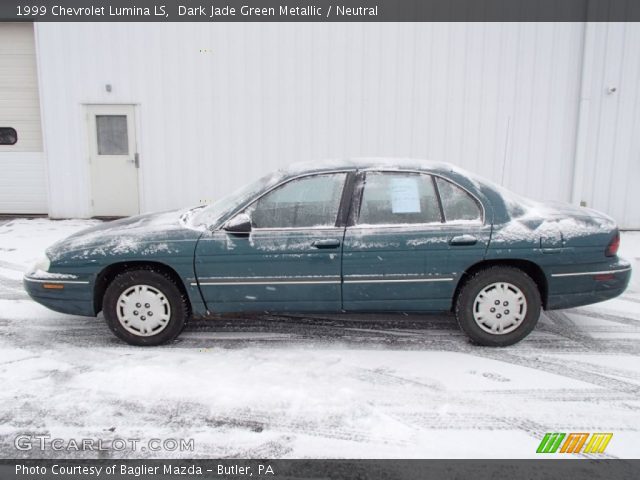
{"x":405,"y":249}
{"x":291,"y":258}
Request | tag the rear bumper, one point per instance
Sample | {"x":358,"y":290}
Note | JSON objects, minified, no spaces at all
{"x":73,"y":297}
{"x":591,"y":284}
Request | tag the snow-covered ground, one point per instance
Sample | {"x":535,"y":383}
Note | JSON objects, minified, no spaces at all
{"x":380,"y":386}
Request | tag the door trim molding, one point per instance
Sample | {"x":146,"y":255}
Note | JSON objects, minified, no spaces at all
{"x":267,"y":280}
{"x":397,"y":279}
{"x":314,"y":280}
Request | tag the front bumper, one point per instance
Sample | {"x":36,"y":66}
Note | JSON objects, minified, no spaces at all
{"x":590,"y":284}
{"x":74,"y":297}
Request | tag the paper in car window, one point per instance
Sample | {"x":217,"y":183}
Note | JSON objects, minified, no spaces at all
{"x":405,"y":195}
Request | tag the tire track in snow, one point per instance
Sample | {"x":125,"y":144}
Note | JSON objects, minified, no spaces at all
{"x":605,"y":316}
{"x":562,"y":369}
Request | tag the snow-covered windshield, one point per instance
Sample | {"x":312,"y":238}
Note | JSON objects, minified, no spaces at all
{"x":209,"y":215}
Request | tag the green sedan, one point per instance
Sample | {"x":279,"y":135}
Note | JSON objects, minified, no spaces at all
{"x":349,"y":236}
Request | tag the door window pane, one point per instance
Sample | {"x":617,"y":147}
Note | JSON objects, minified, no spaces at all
{"x":112,"y":135}
{"x":397,"y":198}
{"x":307,"y":202}
{"x":457,"y":204}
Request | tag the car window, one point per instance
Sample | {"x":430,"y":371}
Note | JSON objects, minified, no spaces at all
{"x":457,"y":204}
{"x":398,"y":198}
{"x":306,"y":202}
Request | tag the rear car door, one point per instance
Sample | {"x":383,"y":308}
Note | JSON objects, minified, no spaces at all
{"x":291,"y":259}
{"x":410,"y":238}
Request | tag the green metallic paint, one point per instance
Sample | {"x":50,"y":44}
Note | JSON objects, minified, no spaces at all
{"x":288,"y":272}
{"x":381,"y":268}
{"x":407,"y":268}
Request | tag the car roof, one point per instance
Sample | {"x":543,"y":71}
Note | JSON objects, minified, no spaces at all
{"x":366,"y":163}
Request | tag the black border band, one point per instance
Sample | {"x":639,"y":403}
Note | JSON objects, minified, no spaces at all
{"x":321,"y":11}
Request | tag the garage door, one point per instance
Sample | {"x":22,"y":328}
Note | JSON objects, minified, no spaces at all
{"x":22,"y":164}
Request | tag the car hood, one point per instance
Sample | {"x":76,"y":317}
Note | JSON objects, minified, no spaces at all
{"x":141,"y":235}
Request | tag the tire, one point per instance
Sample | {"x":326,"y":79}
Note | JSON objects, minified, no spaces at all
{"x":498,"y":306}
{"x":145,"y":307}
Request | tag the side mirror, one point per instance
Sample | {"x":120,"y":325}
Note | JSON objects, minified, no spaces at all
{"x":241,"y":223}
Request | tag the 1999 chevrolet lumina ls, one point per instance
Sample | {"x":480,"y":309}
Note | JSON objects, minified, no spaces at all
{"x":343,"y":236}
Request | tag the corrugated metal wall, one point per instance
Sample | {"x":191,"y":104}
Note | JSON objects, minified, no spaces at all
{"x":219,"y":103}
{"x":608,"y":160}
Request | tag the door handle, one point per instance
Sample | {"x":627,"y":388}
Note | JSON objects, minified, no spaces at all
{"x":328,"y":243}
{"x":135,"y":160}
{"x":461,"y":240}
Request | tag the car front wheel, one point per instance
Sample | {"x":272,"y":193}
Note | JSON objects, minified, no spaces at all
{"x":498,"y":306}
{"x":145,"y":307}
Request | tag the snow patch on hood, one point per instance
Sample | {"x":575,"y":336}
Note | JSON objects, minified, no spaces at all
{"x":143,"y":235}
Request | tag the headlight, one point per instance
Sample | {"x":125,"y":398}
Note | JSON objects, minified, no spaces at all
{"x":42,"y":264}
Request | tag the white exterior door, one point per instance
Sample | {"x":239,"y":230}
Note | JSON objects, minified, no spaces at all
{"x":114,"y":160}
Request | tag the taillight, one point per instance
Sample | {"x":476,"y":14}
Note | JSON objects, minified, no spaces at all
{"x":614,"y":244}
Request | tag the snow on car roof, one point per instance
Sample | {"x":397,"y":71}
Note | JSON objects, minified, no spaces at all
{"x":372,"y":162}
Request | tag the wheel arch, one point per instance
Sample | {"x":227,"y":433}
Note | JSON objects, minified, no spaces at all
{"x":530,"y":268}
{"x":107,"y":274}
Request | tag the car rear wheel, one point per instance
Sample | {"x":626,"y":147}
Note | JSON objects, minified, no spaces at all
{"x":498,"y":306}
{"x":145,"y":307}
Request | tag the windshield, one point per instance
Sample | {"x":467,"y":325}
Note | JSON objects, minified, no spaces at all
{"x":210,"y":215}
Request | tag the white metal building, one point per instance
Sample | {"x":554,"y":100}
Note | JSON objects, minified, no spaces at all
{"x":550,"y":110}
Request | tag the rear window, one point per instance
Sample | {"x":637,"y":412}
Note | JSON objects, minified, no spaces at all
{"x":457,"y":204}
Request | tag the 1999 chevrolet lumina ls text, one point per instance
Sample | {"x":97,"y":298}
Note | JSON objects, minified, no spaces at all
{"x":346,"y":236}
